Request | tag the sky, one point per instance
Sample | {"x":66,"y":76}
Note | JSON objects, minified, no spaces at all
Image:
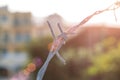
{"x":70,"y":10}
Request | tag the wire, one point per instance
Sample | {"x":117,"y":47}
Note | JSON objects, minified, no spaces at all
{"x":59,"y":41}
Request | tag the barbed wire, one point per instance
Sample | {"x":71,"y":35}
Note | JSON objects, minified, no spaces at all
{"x":61,"y":39}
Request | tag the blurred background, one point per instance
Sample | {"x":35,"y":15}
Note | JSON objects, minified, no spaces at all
{"x":92,"y":53}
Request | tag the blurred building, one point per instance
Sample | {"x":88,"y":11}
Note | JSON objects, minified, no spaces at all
{"x":93,"y":34}
{"x":15,"y":30}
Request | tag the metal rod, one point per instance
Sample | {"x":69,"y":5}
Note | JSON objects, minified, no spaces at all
{"x":51,"y":29}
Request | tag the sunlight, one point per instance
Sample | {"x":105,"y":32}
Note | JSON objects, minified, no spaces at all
{"x":70,"y":10}
{"x":84,"y":43}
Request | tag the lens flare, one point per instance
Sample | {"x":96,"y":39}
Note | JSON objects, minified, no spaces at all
{"x":20,"y":76}
{"x":37,"y":61}
{"x":31,"y":67}
{"x":26,"y":72}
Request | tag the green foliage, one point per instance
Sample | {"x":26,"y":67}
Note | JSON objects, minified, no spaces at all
{"x":108,"y":62}
{"x":38,"y":47}
{"x":102,"y":62}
